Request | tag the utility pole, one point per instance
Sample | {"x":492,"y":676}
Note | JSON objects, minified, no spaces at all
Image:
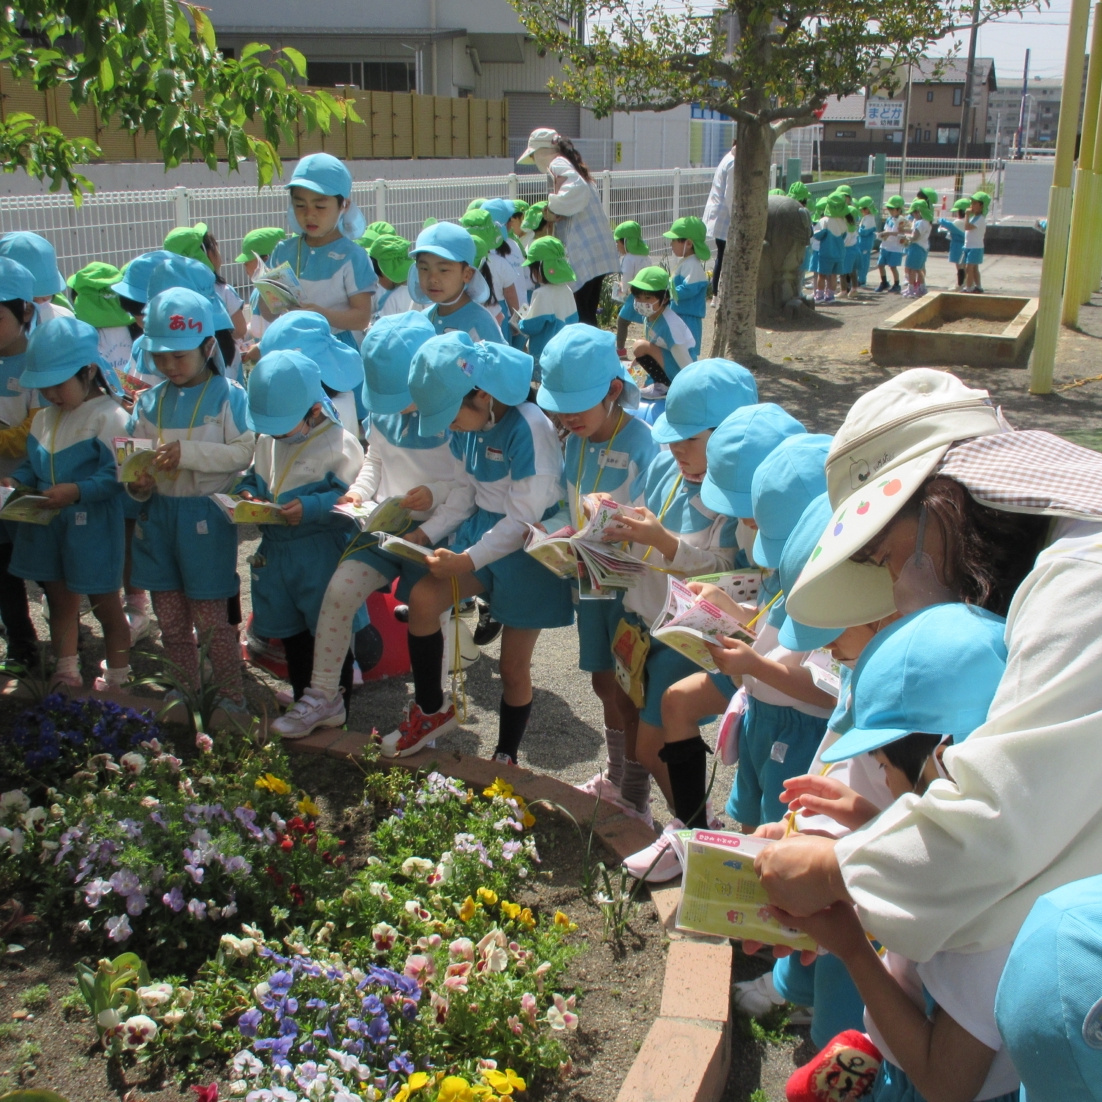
{"x":1023,"y":117}
{"x":966,"y":109}
{"x":906,"y":131}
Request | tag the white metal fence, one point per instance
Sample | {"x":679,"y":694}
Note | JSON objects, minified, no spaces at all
{"x":117,"y":226}
{"x":930,"y":168}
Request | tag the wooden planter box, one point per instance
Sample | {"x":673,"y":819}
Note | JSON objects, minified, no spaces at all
{"x":948,"y":328}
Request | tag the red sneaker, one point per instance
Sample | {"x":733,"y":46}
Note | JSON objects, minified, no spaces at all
{"x":417,"y":730}
{"x":844,"y":1071}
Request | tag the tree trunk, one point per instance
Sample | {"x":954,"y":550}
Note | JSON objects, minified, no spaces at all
{"x":735,"y":330}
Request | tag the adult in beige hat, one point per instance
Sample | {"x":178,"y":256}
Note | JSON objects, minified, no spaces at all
{"x":936,"y":498}
{"x":579,"y":218}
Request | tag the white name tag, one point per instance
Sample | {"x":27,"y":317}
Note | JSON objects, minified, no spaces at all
{"x":13,"y":385}
{"x":80,"y":518}
{"x":201,"y":527}
{"x":212,"y":420}
{"x":495,"y":455}
{"x":618,"y":461}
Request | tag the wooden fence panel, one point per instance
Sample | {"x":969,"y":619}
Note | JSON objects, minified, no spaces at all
{"x":401,"y":125}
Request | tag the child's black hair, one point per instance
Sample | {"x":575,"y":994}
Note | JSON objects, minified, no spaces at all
{"x":211,"y":242}
{"x":662,"y":296}
{"x":132,"y":306}
{"x":227,"y":344}
{"x":375,"y":265}
{"x":485,"y":270}
{"x":909,"y":754}
{"x":503,"y":249}
{"x":18,"y":308}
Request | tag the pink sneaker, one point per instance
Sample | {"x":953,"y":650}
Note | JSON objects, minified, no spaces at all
{"x":69,"y":681}
{"x":417,"y":730}
{"x":658,"y":862}
{"x":600,"y":787}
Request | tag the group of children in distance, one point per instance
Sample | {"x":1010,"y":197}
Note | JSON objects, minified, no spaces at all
{"x":844,"y":233}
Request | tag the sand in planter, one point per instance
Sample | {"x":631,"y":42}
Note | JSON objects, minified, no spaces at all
{"x":965,"y":325}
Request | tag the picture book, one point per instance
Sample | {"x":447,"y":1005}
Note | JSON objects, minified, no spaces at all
{"x":687,"y":622}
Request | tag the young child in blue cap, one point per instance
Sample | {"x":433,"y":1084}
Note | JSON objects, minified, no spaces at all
{"x":589,"y":392}
{"x":552,"y":307}
{"x":71,"y":462}
{"x":676,"y":530}
{"x":133,"y":291}
{"x":667,"y":342}
{"x":17,"y":407}
{"x":923,"y":683}
{"x":510,"y":477}
{"x":304,"y":462}
{"x":38,"y":256}
{"x":185,"y":550}
{"x":342,"y":370}
{"x":445,"y":279}
{"x":335,"y":273}
{"x":399,"y":462}
{"x":689,"y":282}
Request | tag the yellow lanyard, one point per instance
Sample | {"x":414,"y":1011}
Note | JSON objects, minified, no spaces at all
{"x":291,"y":460}
{"x":173,"y":475}
{"x":600,"y":471}
{"x":763,"y":611}
{"x":666,"y":509}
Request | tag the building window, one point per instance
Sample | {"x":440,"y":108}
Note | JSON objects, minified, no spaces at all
{"x":371,"y":76}
{"x":958,"y":97}
{"x":845,"y":133}
{"x":930,"y":97}
{"x":948,"y":135}
{"x":894,"y":136}
{"x":926,"y":136}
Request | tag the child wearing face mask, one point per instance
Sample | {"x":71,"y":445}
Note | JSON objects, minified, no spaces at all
{"x":510,"y":473}
{"x":337,"y":278}
{"x":677,"y":531}
{"x":399,"y":462}
{"x":304,"y":462}
{"x":37,"y":255}
{"x":552,"y":307}
{"x":922,"y":684}
{"x":71,"y":462}
{"x":689,"y":282}
{"x":184,"y":549}
{"x":667,"y":345}
{"x":444,"y":278}
{"x":588,"y":390}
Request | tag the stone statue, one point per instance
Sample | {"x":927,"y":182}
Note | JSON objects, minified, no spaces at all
{"x":787,"y":234}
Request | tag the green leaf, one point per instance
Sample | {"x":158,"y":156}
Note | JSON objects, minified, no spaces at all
{"x":162,"y":14}
{"x":296,"y":59}
{"x":205,"y":29}
{"x":106,"y":73}
{"x":165,"y":84}
{"x":252,"y":49}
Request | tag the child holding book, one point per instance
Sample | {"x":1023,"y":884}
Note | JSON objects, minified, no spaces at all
{"x":510,"y":477}
{"x":399,"y":462}
{"x":256,"y":249}
{"x":185,"y":550}
{"x":71,"y":463}
{"x":589,"y":391}
{"x":304,"y":462}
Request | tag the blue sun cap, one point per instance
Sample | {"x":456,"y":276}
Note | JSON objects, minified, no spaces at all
{"x":500,"y":210}
{"x":177,"y":320}
{"x":308,"y":332}
{"x":736,"y":450}
{"x":57,"y":350}
{"x":450,"y":242}
{"x":37,"y":255}
{"x":1049,"y":1003}
{"x":710,"y":391}
{"x":324,"y":174}
{"x":16,"y":281}
{"x":387,"y":352}
{"x":182,"y":271}
{"x":578,"y":363}
{"x":283,"y":387}
{"x":798,"y":548}
{"x":934,"y":671}
{"x":788,"y":480}
{"x":448,"y":367}
{"x":135,"y":276}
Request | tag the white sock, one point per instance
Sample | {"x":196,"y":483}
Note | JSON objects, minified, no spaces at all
{"x":351,"y":584}
{"x":68,"y":667}
{"x":136,"y":602}
{"x":116,"y":676}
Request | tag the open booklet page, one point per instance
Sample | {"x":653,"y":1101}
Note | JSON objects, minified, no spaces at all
{"x":382,"y":516}
{"x":24,"y":505}
{"x":688,"y":622}
{"x":238,"y":510}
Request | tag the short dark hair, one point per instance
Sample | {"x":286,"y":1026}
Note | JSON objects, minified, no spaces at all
{"x":909,"y":753}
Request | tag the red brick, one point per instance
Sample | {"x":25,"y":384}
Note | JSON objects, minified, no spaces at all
{"x":679,"y":1062}
{"x":698,"y":982}
{"x":579,"y":804}
{"x":316,"y":743}
{"x":665,"y":900}
{"x":626,"y":836}
{"x":351,"y":742}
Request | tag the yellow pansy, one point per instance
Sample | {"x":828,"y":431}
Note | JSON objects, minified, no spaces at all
{"x":467,"y":909}
{"x":498,"y":788}
{"x":273,"y":784}
{"x":455,"y":1089}
{"x":528,"y":820}
{"x":306,"y":806}
{"x":505,"y":1082}
{"x":510,"y":910}
{"x":488,"y":897}
{"x":527,"y":919}
{"x":417,"y":1080}
{"x":563,"y":920}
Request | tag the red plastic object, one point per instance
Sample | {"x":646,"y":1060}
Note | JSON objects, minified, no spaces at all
{"x":843,"y":1072}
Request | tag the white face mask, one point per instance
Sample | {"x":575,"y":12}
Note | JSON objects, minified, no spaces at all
{"x":918,"y":585}
{"x":744,"y":536}
{"x":645,"y":309}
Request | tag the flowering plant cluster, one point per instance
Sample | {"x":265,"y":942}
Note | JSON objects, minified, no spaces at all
{"x":52,"y":740}
{"x":140,"y":852}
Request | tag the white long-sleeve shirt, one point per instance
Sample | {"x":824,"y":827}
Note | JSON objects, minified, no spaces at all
{"x":717,"y":209}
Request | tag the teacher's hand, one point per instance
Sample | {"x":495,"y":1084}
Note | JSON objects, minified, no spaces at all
{"x":801,"y":874}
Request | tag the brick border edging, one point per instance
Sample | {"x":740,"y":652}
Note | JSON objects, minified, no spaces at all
{"x":687,"y":1052}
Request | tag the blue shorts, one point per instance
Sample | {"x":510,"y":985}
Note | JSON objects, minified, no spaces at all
{"x":82,"y":546}
{"x":973,"y":256}
{"x":131,"y":507}
{"x":889,"y":259}
{"x":776,"y":742}
{"x":597,"y":623}
{"x":665,"y":667}
{"x":185,"y":544}
{"x":522,"y":593}
{"x":812,"y":260}
{"x":288,"y":589}
{"x":916,"y":258}
{"x":832,"y":266}
{"x":390,"y":566}
{"x":851,"y":258}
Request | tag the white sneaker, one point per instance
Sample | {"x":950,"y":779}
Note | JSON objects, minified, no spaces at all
{"x":658,"y":862}
{"x":600,"y":787}
{"x":758,"y":997}
{"x":653,"y":392}
{"x":313,"y":710}
{"x":285,"y":699}
{"x":140,"y":623}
